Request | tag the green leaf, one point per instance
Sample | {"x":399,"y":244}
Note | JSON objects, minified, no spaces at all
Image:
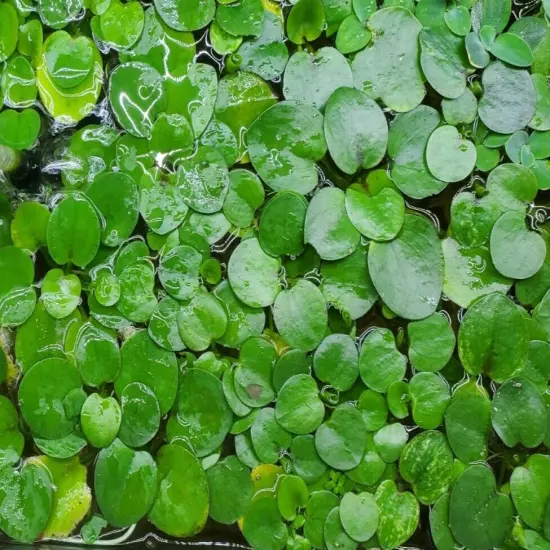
{"x":340,"y":350}
{"x":450,"y":158}
{"x":121,"y":24}
{"x":470,"y":273}
{"x":518,"y":413}
{"x":473,"y":218}
{"x":143,"y":361}
{"x":96,"y":354}
{"x":340,"y":440}
{"x":91,"y":151}
{"x":17,"y":295}
{"x":263,"y":527}
{"x":73,"y":231}
{"x":493,"y":338}
{"x":536,"y":368}
{"x":380,"y":362}
{"x":541,"y":118}
{"x":305,"y":21}
{"x":69,"y":105}
{"x":468,"y":422}
{"x":91,"y":530}
{"x":300,"y":315}
{"x":292,"y":494}
{"x":530,"y":489}
{"x":461,"y":110}
{"x":281,"y":230}
{"x":203,"y":180}
{"x":201,"y":321}
{"x":352,"y":35}
{"x":306,"y":461}
{"x":439,"y":524}
{"x":18,"y":83}
{"x":253,"y":275}
{"x":115,"y":196}
{"x":299,"y":409}
{"x":285,"y":158}
{"x":140,"y":415}
{"x":431,"y":343}
{"x":137,"y":298}
{"x":181,"y":506}
{"x":241,"y":18}
{"x":516,"y":252}
{"x":378,"y":217}
{"x":244,"y":196}
{"x":26,"y":498}
{"x":60,"y":293}
{"x":335,"y":535}
{"x":398,"y":515}
{"x":427,"y":464}
{"x":186,"y":15}
{"x":408,"y":271}
{"x":135,"y":111}
{"x":390,"y":441}
{"x":312,"y":78}
{"x":266,"y":55}
{"x":72,"y":497}
{"x":203,"y":415}
{"x":269,"y":439}
{"x":359,"y":515}
{"x":68,"y":61}
{"x":253,"y":375}
{"x":9,"y":30}
{"x":496,"y":13}
{"x":480,"y":516}
{"x":458,"y":20}
{"x":11,"y":439}
{"x":355,"y":129}
{"x":241,"y":98}
{"x":374,"y":410}
{"x":318,"y":508}
{"x":509,"y":98}
{"x":100,"y":419}
{"x":242,"y":321}
{"x":41,"y":396}
{"x":347,"y":285}
{"x":28,"y":228}
{"x":512,"y":49}
{"x":230,"y":489}
{"x":408,"y":138}
{"x":398,"y":399}
{"x":19,"y":130}
{"x":444,"y":61}
{"x":42,"y":336}
{"x":388,"y":69}
{"x":430,"y":395}
{"x":327,"y":225}
{"x":179,"y":272}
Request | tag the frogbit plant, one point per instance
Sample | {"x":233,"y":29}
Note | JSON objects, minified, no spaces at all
{"x":276,"y":266}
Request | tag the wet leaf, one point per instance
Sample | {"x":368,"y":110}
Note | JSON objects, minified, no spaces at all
{"x":125,"y":483}
{"x":389,"y":69}
{"x":414,"y":287}
{"x":398,"y":515}
{"x":340,"y":440}
{"x":284,"y":143}
{"x":493,"y":338}
{"x":518,"y":413}
{"x":480,"y":516}
{"x":181,"y":506}
{"x":356,"y":130}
